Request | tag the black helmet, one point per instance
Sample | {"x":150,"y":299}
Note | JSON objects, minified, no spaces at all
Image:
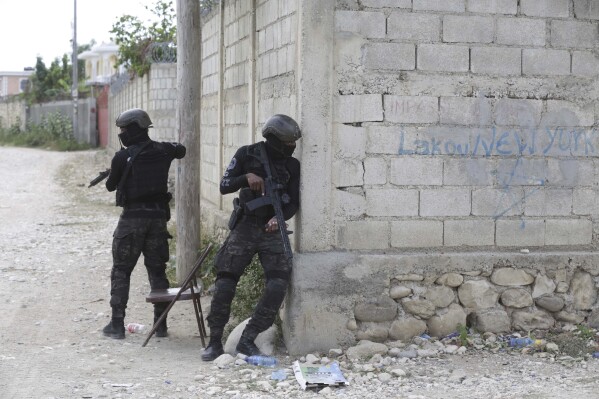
{"x":282,"y":127}
{"x":134,"y":115}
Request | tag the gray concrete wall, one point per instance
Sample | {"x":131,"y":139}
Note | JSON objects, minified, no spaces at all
{"x":87,"y":124}
{"x":449,"y":158}
{"x":155,"y":92}
{"x":13,"y":112}
{"x":462,"y":133}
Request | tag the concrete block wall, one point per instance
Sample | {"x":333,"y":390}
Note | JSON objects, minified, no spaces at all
{"x":476,"y":125}
{"x":12,"y":112}
{"x":156,"y":93}
{"x":248,"y":63}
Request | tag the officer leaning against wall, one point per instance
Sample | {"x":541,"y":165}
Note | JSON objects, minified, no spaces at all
{"x":256,"y":231}
{"x":139,"y":174}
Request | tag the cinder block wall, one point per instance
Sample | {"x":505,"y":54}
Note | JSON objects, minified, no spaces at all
{"x":465,"y":124}
{"x":156,"y":93}
{"x":248,"y":74}
{"x":451,"y":136}
{"x":440,"y":138}
{"x":13,"y":112}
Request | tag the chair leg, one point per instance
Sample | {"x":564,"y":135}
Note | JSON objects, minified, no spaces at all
{"x":197,"y":307}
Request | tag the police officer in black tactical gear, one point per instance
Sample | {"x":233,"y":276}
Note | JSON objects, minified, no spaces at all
{"x":139,"y":173}
{"x":256,"y":232}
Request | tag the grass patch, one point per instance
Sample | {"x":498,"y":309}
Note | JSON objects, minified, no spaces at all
{"x":55,"y":132}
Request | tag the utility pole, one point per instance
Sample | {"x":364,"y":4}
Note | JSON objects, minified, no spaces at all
{"x":187,"y":186}
{"x":75,"y":63}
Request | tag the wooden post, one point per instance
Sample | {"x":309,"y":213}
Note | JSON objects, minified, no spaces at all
{"x":187,"y":190}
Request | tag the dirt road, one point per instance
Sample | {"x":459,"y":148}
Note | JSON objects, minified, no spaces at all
{"x":55,"y":239}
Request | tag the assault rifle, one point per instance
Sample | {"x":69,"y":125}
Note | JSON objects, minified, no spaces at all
{"x":273,"y":191}
{"x":103,"y":175}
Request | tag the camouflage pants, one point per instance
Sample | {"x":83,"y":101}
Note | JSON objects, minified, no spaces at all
{"x":131,"y":238}
{"x":245,"y":240}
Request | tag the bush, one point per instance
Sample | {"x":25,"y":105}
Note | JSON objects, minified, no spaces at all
{"x":55,"y":132}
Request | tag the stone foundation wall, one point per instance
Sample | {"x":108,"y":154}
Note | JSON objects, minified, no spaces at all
{"x":341,"y":298}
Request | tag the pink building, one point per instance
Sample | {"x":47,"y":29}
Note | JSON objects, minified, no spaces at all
{"x":12,"y":83}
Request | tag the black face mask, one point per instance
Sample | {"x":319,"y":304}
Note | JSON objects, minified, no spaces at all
{"x":133,"y":135}
{"x":125,"y":139}
{"x":278,"y":148}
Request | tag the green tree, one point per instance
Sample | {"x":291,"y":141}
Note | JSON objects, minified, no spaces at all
{"x":54,"y":83}
{"x":135,"y":38}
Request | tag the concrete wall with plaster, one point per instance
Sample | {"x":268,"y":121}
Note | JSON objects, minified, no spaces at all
{"x":440,"y":138}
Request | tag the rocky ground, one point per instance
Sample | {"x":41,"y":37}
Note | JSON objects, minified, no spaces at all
{"x":55,"y":240}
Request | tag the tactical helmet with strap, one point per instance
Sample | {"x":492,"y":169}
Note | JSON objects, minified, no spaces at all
{"x":134,"y":115}
{"x":282,"y":127}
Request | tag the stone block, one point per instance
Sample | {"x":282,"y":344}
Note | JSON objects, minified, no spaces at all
{"x":416,"y":171}
{"x":473,"y":233}
{"x":545,"y":62}
{"x":439,"y":5}
{"x":584,"y":202}
{"x":521,"y":31}
{"x":573,"y":34}
{"x":477,"y":294}
{"x":440,"y":296}
{"x":371,"y":25}
{"x":376,"y":310}
{"x":421,"y":28}
{"x":359,"y":108}
{"x":391,"y":202}
{"x":450,"y":280}
{"x":387,"y":3}
{"x":443,"y":324}
{"x":384,"y":139}
{"x":528,"y":321}
{"x":586,"y":9}
{"x":411,"y":109}
{"x":445,"y":202}
{"x":548,"y":202}
{"x":406,"y":328}
{"x":492,"y":320}
{"x":570,"y":172}
{"x":521,"y":172}
{"x":493,"y":6}
{"x":552,"y":303}
{"x":568,"y":232}
{"x":363,"y":234}
{"x":348,"y":173}
{"x":443,"y":58}
{"x":416,"y":233}
{"x":567,"y":113}
{"x":516,"y":112}
{"x":584,"y":63}
{"x":390,"y":56}
{"x":484,"y":60}
{"x":516,"y":298}
{"x":545,"y":8}
{"x":520,"y":233}
{"x":465,"y":111}
{"x":350,"y":142}
{"x":375,"y":171}
{"x":468,"y":172}
{"x":421,"y":308}
{"x":468,"y":29}
{"x":349,"y":204}
{"x":497,"y":202}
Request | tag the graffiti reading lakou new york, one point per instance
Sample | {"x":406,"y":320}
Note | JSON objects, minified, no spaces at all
{"x":506,"y":142}
{"x":562,"y":138}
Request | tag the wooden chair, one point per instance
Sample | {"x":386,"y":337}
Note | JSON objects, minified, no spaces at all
{"x":188,"y":290}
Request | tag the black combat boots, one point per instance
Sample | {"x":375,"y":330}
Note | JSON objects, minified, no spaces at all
{"x":115,"y":329}
{"x":214,"y":348}
{"x":162,"y":329}
{"x":247,"y":346}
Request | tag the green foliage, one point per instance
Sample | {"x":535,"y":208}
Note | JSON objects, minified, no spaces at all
{"x":134,"y":37}
{"x":54,"y":132}
{"x":585,"y":332}
{"x":463,"y":331}
{"x":55,"y":83}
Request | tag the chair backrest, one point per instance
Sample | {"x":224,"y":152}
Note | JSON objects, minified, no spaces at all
{"x":191,"y":276}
